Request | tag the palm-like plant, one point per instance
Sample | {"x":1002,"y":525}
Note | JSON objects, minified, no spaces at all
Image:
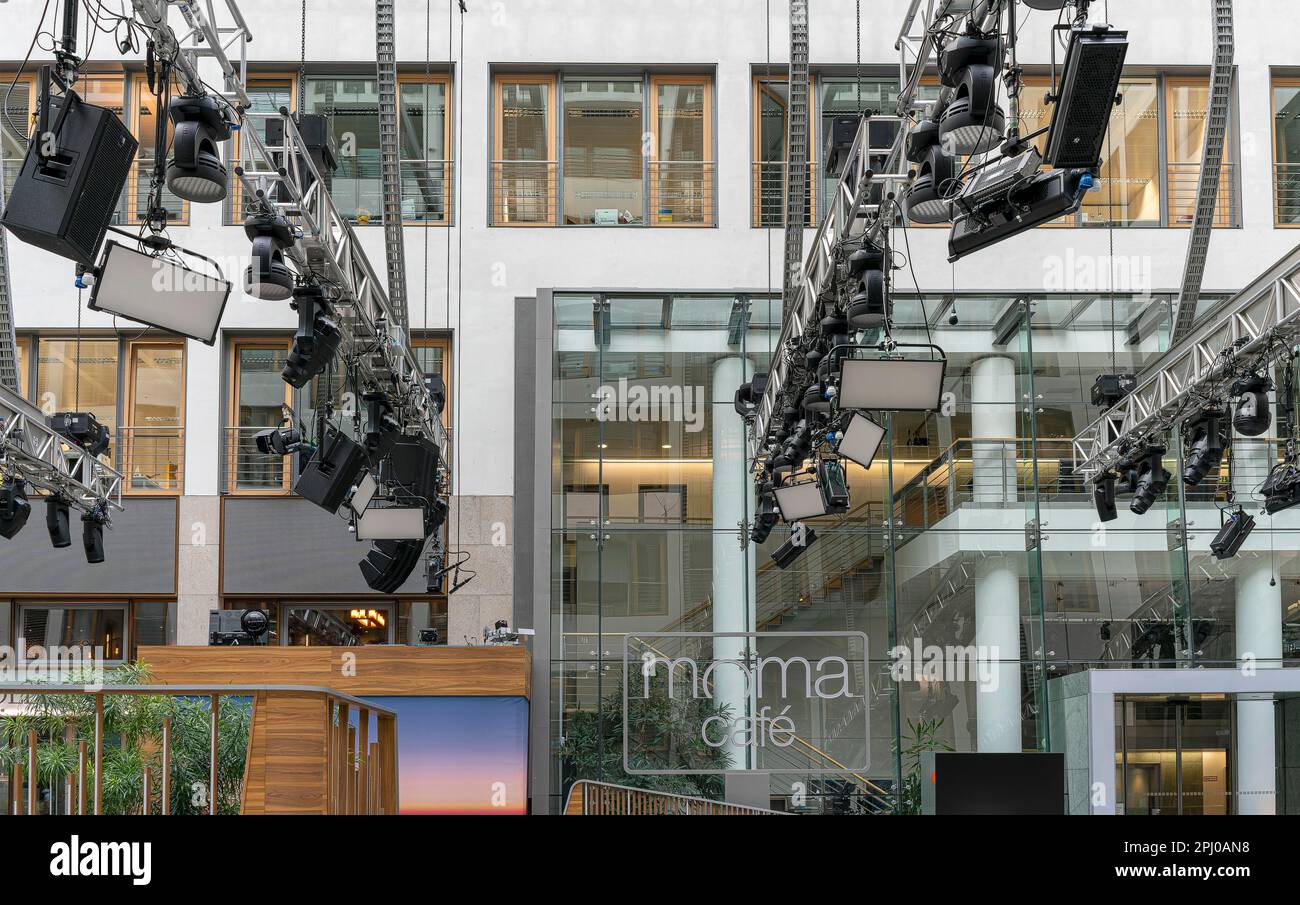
{"x":132,"y":742}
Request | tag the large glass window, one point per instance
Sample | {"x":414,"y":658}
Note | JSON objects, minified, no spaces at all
{"x":93,"y":626}
{"x":259,"y":396}
{"x":353,"y":107}
{"x":339,"y":625}
{"x":627,"y":151}
{"x":771,"y":111}
{"x":1186,"y":115}
{"x":152,"y":439}
{"x":426,"y":140}
{"x":1286,"y":151}
{"x":267,"y":95}
{"x":74,"y":376}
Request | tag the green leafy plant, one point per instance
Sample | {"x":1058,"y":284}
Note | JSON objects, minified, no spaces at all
{"x":132,"y":740}
{"x":922,"y":736}
{"x":667,"y":734}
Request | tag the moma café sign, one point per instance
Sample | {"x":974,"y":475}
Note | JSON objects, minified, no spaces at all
{"x":711,"y":702}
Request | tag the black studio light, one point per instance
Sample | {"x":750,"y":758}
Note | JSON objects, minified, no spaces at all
{"x":196,"y":171}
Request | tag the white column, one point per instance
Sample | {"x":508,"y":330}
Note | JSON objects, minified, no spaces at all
{"x":1259,"y":641}
{"x":997,"y":577}
{"x":733,"y":607}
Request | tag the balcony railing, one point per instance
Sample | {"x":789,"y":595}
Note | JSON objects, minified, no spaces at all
{"x":1286,"y":191}
{"x":246,"y":470}
{"x":1182,"y":182}
{"x":151,"y":458}
{"x":524,"y":192}
{"x":682,"y":193}
{"x":768,"y":201}
{"x":427,"y":191}
{"x":587,"y":797}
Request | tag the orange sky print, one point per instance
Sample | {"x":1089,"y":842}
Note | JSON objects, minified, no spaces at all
{"x":461,"y":755}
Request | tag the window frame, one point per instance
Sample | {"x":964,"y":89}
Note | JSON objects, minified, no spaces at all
{"x":710,"y":164}
{"x":127,"y":406}
{"x":1278,"y":81}
{"x":755,"y":111}
{"x":433,"y":340}
{"x":1167,"y":84}
{"x":23,"y":347}
{"x":446,"y":79}
{"x":134,"y":85}
{"x":234,"y":202}
{"x":554,"y":178}
{"x":230,"y":457}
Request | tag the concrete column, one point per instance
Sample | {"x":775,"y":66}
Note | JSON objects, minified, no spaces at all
{"x":733,"y":570}
{"x":997,"y":578}
{"x":1259,"y":641}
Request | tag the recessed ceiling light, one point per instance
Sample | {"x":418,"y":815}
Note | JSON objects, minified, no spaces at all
{"x":667,"y":446}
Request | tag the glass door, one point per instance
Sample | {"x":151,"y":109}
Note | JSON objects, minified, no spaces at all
{"x":1175,"y":755}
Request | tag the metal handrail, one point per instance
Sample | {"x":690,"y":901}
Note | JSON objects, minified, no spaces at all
{"x":594,"y":797}
{"x":159,"y":471}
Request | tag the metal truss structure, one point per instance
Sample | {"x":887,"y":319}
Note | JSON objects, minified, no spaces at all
{"x":31,"y":450}
{"x":1250,"y":329}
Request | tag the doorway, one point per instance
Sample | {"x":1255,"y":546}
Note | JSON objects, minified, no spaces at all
{"x":1174,"y":754}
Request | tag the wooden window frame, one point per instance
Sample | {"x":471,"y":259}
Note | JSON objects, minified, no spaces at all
{"x":499,"y":81}
{"x":1275,"y":82}
{"x":755,"y":132}
{"x":439,"y":341}
{"x":136,"y":84}
{"x":449,"y":169}
{"x":231,"y":458}
{"x":1166,"y":86}
{"x":711,"y":165}
{"x":127,"y":359}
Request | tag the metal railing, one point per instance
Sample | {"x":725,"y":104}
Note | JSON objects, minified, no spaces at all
{"x":524,"y":192}
{"x":133,"y":206}
{"x":427,"y":191}
{"x":246,"y":470}
{"x":591,"y":798}
{"x":767,"y":185}
{"x":151,"y":458}
{"x":1181,"y":189}
{"x":1286,"y":193}
{"x":682,"y":193}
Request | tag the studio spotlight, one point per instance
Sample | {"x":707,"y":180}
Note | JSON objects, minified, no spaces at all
{"x":57,"y":521}
{"x":1151,"y":479}
{"x":1236,"y":528}
{"x":1204,"y":437}
{"x":1030,"y":202}
{"x":92,"y":535}
{"x":82,"y":429}
{"x":1281,"y":489}
{"x":834,"y":488}
{"x":1103,"y":497}
{"x":195,"y":171}
{"x":869,"y":307}
{"x":801,"y":538}
{"x":766,"y":517}
{"x":269,"y":277}
{"x":749,"y":395}
{"x":1251,"y":416}
{"x":1108,"y":389}
{"x":317,"y":339}
{"x":860,"y":440}
{"x":278,"y":441}
{"x":972,"y":121}
{"x":14,"y":507}
{"x":926,"y":199}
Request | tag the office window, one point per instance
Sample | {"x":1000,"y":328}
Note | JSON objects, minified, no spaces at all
{"x":143,"y":122}
{"x":1286,"y":151}
{"x":771,"y":108}
{"x":353,"y":105}
{"x":268,"y":95}
{"x":426,"y":142}
{"x":100,"y":626}
{"x":524,"y":167}
{"x":1186,"y":114}
{"x":632,"y":151}
{"x":15,"y":124}
{"x":257,"y":399}
{"x":339,"y":625}
{"x":434,"y":355}
{"x":152,"y":441}
{"x":72,"y":379}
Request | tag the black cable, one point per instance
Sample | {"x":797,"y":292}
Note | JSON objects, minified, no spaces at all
{"x":22,"y":135}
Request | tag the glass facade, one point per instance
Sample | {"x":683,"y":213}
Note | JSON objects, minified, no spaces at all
{"x":968,"y":519}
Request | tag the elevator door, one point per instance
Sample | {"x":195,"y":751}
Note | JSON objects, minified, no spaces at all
{"x":1175,"y":755}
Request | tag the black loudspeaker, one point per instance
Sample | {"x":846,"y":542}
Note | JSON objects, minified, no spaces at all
{"x":63,"y":203}
{"x":332,"y":471}
{"x":412,"y":466}
{"x":92,"y":538}
{"x":389,"y":563}
{"x":56,"y":521}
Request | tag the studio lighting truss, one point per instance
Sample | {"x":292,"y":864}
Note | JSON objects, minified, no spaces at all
{"x":869,"y":308}
{"x":1086,"y":94}
{"x":890,"y":382}
{"x":317,"y":340}
{"x":1204,"y":438}
{"x":1232,"y":534}
{"x":161,"y":285}
{"x":1148,"y":478}
{"x":973,"y":122}
{"x":1251,"y":413}
{"x":195,"y":172}
{"x":926,"y":198}
{"x":269,"y":277}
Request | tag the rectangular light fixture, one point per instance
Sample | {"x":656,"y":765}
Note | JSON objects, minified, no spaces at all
{"x":159,"y":292}
{"x":892,"y":384}
{"x":364,"y":493}
{"x":800,"y":501}
{"x":1089,"y":82}
{"x":392,"y":523}
{"x":861,"y":440}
